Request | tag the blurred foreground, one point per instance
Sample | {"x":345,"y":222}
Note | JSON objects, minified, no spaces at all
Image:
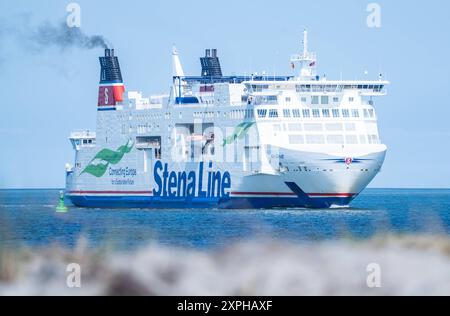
{"x":410,"y":265}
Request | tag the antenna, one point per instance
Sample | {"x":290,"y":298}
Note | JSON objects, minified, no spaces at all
{"x":307,"y":61}
{"x":305,"y":42}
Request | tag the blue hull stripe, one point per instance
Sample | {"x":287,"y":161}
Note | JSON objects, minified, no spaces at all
{"x":96,"y":201}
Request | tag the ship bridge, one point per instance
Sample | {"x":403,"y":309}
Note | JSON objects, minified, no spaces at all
{"x":364,"y":88}
{"x":84,"y":138}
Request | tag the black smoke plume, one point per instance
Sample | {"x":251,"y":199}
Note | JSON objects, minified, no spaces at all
{"x":38,"y":37}
{"x":65,"y":37}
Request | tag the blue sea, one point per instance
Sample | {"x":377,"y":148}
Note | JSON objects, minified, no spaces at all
{"x":28,"y":218}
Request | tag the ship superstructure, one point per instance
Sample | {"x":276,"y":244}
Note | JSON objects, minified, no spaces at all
{"x":229,"y":141}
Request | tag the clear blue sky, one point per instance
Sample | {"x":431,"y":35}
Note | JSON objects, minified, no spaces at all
{"x":44,"y":96}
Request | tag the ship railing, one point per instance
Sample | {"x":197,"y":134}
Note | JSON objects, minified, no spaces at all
{"x":374,"y":93}
{"x":324,"y":87}
{"x":83,"y":134}
{"x":231,"y":79}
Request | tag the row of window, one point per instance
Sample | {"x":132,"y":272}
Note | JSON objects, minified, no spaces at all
{"x":140,"y":117}
{"x":205,"y":114}
{"x":337,"y":88}
{"x":140,"y":129}
{"x":85,"y":142}
{"x":241,"y":114}
{"x":263,"y":99}
{"x":333,"y":139}
{"x":324,"y":99}
{"x":322,"y":87}
{"x":233,"y":114}
{"x":273,"y":99}
{"x":318,"y":113}
{"x":315,"y":127}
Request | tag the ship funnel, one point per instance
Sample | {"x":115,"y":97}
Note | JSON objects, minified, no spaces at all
{"x":111,"y":84}
{"x":211,"y":64}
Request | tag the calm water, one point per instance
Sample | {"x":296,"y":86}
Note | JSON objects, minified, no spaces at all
{"x":27,"y":217}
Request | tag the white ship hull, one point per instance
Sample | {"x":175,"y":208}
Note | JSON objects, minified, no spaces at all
{"x":304,"y":179}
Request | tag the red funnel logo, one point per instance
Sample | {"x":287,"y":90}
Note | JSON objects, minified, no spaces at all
{"x":109,"y":95}
{"x":106,"y":96}
{"x":118,"y":93}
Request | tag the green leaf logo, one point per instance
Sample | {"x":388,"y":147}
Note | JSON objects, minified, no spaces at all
{"x":100,"y":163}
{"x":239,"y":132}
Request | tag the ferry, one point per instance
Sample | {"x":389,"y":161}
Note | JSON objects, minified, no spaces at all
{"x":229,"y":142}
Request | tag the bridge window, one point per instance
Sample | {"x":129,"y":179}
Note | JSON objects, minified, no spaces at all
{"x":336,"y":113}
{"x":326,"y":113}
{"x":306,"y":113}
{"x":366,"y":113}
{"x":345,"y":113}
{"x":262,"y":113}
{"x":378,"y":88}
{"x":316,"y":113}
{"x":259,"y":88}
{"x":273,"y":113}
{"x":303,"y":88}
{"x":272,"y":99}
{"x":287,"y":113}
{"x":355,"y":113}
{"x":296,"y":113}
